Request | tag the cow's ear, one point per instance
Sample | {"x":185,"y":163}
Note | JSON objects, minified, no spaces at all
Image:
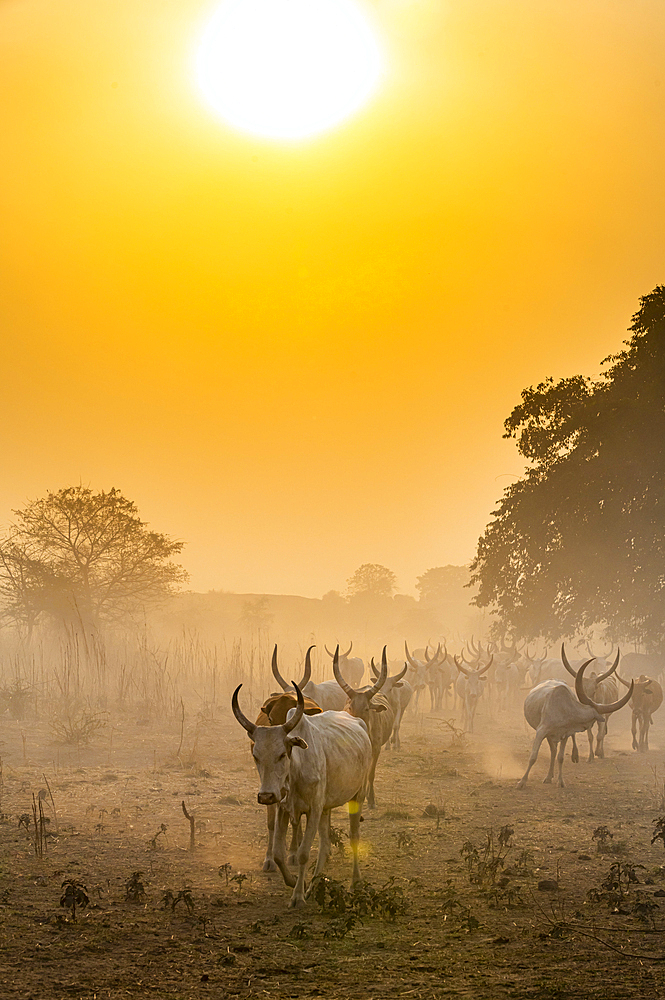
{"x":398,"y":685}
{"x":378,"y":708}
{"x":297,"y":741}
{"x":483,"y":679}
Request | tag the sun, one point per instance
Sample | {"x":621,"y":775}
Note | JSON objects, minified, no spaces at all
{"x":287,"y":69}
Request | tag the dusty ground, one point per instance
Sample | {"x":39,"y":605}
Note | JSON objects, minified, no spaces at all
{"x":497,"y":936}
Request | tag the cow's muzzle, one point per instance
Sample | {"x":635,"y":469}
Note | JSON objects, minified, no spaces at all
{"x":267,"y":799}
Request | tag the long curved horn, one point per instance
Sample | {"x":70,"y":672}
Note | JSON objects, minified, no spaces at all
{"x":619,"y":678}
{"x":346,"y":688}
{"x":242,"y":719}
{"x":612,"y":668}
{"x":564,"y":660}
{"x":275,"y":672}
{"x":464,"y":658}
{"x":398,"y":677}
{"x":328,"y":651}
{"x":372,"y":667}
{"x":298,"y":714}
{"x":485,"y":669}
{"x":459,"y":666}
{"x":378,"y":684}
{"x":411,"y":661}
{"x":431,"y":659}
{"x":344,"y":655}
{"x":583,"y":697}
{"x":306,"y":677}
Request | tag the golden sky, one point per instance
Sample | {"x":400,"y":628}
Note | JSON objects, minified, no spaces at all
{"x":297,"y":357}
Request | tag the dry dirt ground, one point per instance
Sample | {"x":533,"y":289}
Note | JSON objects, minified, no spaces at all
{"x":462,"y":924}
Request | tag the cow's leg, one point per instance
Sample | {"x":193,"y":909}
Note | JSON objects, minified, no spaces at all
{"x":324,"y":841}
{"x":355,"y":807}
{"x":279,"y":846}
{"x":395,"y":735}
{"x":633,"y":730}
{"x":371,"y":801}
{"x":540,"y":736}
{"x":313,"y":821}
{"x":559,"y":760}
{"x":296,"y":837}
{"x":600,"y":739}
{"x":574,"y":753}
{"x":269,"y":863}
{"x":589,"y":734}
{"x":553,"y":748}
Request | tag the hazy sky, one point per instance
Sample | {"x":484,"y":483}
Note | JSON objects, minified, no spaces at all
{"x":297,"y":357}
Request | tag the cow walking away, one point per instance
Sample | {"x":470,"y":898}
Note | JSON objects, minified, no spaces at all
{"x":556,"y":714}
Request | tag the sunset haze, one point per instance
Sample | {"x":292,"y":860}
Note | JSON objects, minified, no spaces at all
{"x":297,"y":356}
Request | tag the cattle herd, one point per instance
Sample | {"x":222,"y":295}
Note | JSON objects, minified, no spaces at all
{"x":316,"y":746}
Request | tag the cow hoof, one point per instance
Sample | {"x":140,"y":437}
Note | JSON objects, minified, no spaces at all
{"x":520,"y":784}
{"x":269,"y":866}
{"x":298,"y":901}
{"x":547,"y":781}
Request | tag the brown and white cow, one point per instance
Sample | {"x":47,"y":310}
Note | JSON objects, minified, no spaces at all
{"x":328,"y":695}
{"x":308,"y":766}
{"x":273,"y":712}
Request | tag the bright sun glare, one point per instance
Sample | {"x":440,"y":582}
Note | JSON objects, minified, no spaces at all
{"x":287,"y":69}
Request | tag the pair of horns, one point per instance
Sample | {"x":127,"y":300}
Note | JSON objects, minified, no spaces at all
{"x":601,"y":677}
{"x":473,"y":673}
{"x":305,"y":677}
{"x":343,"y":655}
{"x":370,"y":692}
{"x":251,"y":727}
{"x":586,"y":700}
{"x":395,"y":677}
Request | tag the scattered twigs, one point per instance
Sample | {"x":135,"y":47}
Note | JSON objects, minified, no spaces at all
{"x":40,"y":826}
{"x":55,"y":815}
{"x":191,"y":825}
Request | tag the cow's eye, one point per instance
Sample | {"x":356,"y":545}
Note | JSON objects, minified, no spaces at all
{"x":282,"y":756}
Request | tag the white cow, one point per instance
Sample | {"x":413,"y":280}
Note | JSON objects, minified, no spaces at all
{"x":352,"y":667}
{"x":421,"y":671}
{"x":554,"y":712}
{"x":307,"y":767}
{"x":375,"y":711}
{"x":602,"y":688}
{"x":328,"y":695}
{"x":399,"y":693}
{"x":470,"y":688}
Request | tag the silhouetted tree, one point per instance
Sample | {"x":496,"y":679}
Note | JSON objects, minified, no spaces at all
{"x":373,"y":580}
{"x":580,"y":539}
{"x":442,"y":583}
{"x":84,"y":559}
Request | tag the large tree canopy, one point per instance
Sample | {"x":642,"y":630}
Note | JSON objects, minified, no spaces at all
{"x":580,"y":540}
{"x":83,"y":559}
{"x":371,"y":580}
